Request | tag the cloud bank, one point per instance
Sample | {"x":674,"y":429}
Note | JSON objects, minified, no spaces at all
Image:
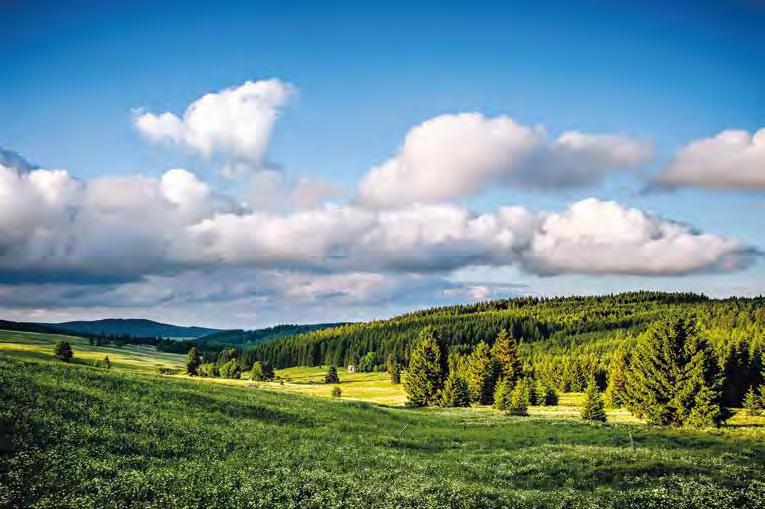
{"x":457,"y":155}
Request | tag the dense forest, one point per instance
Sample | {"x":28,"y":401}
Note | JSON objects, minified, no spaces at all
{"x":564,"y":342}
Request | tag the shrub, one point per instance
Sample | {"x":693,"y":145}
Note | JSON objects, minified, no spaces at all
{"x":209,"y":369}
{"x":548,"y":396}
{"x":331,"y":376}
{"x":103,"y":363}
{"x":262,"y":372}
{"x":63,"y":351}
{"x":336,"y":392}
{"x":230,"y":369}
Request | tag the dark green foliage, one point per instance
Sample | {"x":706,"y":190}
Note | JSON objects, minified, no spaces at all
{"x":505,"y":352}
{"x":63,"y":350}
{"x":426,"y":374}
{"x":481,"y":374}
{"x":519,"y":400}
{"x":337,"y":392}
{"x":593,"y":408}
{"x":548,"y":396}
{"x":673,"y":370}
{"x":193,"y":361}
{"x":531,"y":389}
{"x":503,"y":394}
{"x":78,"y":438}
{"x":393,"y":367}
{"x":331,"y":376}
{"x":262,"y":372}
{"x":368,"y":363}
{"x":230,"y":369}
{"x":615,"y":396}
{"x":752,"y":403}
{"x":455,"y":392}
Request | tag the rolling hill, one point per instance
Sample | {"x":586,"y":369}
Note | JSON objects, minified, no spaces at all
{"x":135,"y":327}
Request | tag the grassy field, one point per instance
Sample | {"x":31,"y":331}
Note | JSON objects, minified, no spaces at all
{"x":78,"y":436}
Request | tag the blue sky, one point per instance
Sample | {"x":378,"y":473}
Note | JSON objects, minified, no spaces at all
{"x":74,"y":73}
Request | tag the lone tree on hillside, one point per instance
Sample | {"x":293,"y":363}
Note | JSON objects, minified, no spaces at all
{"x":193,"y":361}
{"x":617,"y":373}
{"x":482,"y":371}
{"x":456,"y":392}
{"x":425,"y":376}
{"x":331,"y":376}
{"x":63,"y":351}
{"x":673,"y":377}
{"x":505,"y":352}
{"x":593,"y":408}
{"x":394,"y":369}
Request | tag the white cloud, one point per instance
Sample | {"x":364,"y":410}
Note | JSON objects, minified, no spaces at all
{"x":455,"y":155}
{"x":235,"y":123}
{"x":729,"y":160}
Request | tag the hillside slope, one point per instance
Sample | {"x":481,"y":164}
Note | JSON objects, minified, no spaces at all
{"x":135,"y":327}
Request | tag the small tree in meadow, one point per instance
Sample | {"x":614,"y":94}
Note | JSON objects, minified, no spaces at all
{"x":331,"y":376}
{"x":63,"y":350}
{"x":262,"y":372}
{"x":752,"y":403}
{"x":393,"y":366}
{"x":425,"y":376}
{"x":547,"y":396}
{"x":503,"y":394}
{"x":617,"y":374}
{"x":456,"y":392}
{"x":193,"y":361}
{"x":336,"y":392}
{"x":593,"y":408}
{"x":519,"y":401}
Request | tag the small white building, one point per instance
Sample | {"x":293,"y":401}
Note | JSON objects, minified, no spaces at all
{"x":351,"y":368}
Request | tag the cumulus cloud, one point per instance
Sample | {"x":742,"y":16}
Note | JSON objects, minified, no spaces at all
{"x":455,"y":155}
{"x":729,"y":160}
{"x":235,"y":123}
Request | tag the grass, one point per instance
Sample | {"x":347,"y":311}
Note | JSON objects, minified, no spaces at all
{"x":78,"y":436}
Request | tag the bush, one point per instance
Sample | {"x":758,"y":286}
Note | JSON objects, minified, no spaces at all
{"x":336,"y":392}
{"x":63,"y":351}
{"x":262,"y":372}
{"x":103,"y":363}
{"x":209,"y":369}
{"x":230,"y":369}
{"x":367,"y":364}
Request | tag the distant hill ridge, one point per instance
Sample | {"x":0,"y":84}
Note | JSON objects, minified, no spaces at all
{"x":135,"y":327}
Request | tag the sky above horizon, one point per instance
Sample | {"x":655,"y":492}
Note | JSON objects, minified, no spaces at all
{"x":244,"y":164}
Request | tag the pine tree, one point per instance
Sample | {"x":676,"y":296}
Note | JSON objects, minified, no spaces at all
{"x":503,"y":395}
{"x":394,"y":369}
{"x":63,"y":350}
{"x":425,"y":376}
{"x":482,"y":374}
{"x":505,"y":352}
{"x":593,"y":408}
{"x":706,"y":411}
{"x":455,"y":392}
{"x":331,"y":376}
{"x":752,"y":403}
{"x":519,"y":401}
{"x":617,"y":372}
{"x":531,"y":389}
{"x":193,"y":361}
{"x":670,"y":366}
{"x":548,"y":396}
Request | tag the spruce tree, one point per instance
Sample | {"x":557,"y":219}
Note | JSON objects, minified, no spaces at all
{"x":752,"y":403}
{"x":394,"y":369}
{"x":519,"y":401}
{"x":670,"y":366}
{"x":193,"y":361}
{"x":706,"y":411}
{"x":593,"y":408}
{"x":548,"y":396}
{"x":455,"y":392}
{"x":63,"y":350}
{"x":425,"y":376}
{"x":617,"y":372}
{"x":331,"y":376}
{"x":505,"y":352}
{"x":503,"y":395}
{"x":482,"y":373}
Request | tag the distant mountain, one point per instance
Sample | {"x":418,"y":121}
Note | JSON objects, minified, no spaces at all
{"x":29,"y":327}
{"x":135,"y":327}
{"x":250,"y":337}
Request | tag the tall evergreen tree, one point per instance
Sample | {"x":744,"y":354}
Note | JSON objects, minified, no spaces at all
{"x":331,"y":376}
{"x":482,"y":372}
{"x":193,"y":361}
{"x":425,"y":376}
{"x":617,"y":373}
{"x":505,"y":352}
{"x":519,"y":401}
{"x":593,"y":408}
{"x":394,"y":368}
{"x":455,"y":392}
{"x":670,"y":366}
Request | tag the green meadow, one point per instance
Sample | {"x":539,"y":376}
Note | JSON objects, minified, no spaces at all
{"x":73,"y":435}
